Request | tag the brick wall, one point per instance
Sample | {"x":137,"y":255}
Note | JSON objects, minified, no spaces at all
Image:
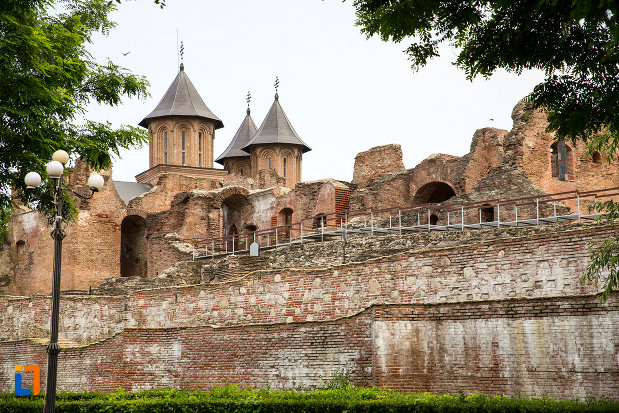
{"x":561,"y":347}
{"x":498,"y":311}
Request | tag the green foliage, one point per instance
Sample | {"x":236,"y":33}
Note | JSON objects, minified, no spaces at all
{"x":603,"y":270}
{"x":5,"y":214}
{"x":575,"y":42}
{"x":47,"y":77}
{"x":238,"y":400}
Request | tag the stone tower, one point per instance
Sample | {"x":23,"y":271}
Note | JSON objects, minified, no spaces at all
{"x":277,"y":146}
{"x":234,"y":159}
{"x":182,"y":128}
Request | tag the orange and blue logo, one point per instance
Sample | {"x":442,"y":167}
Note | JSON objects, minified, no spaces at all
{"x":36,"y":380}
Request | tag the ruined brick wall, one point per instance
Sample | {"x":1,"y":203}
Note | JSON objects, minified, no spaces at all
{"x":562,"y":347}
{"x":94,"y":235}
{"x":477,"y":310}
{"x":376,"y":162}
{"x":160,"y":197}
{"x":284,"y":356}
{"x":528,"y":145}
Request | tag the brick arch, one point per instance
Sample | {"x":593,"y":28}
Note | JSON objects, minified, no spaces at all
{"x":265,"y":153}
{"x":227,"y":192}
{"x":183,"y":123}
{"x":434,"y":192}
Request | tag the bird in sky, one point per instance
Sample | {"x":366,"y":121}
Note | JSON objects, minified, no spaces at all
{"x":126,"y":53}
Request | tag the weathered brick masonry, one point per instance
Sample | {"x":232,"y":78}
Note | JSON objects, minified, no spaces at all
{"x":493,"y":311}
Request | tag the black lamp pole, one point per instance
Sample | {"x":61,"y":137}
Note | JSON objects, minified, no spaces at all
{"x":52,"y":350}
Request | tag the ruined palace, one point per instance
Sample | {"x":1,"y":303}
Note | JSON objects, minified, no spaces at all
{"x":460,"y":273}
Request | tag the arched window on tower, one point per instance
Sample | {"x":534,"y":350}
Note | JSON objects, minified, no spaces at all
{"x":183,"y":133}
{"x":200,"y":149}
{"x":165,"y":147}
{"x":561,"y":161}
{"x":284,"y":167}
{"x":269,"y":162}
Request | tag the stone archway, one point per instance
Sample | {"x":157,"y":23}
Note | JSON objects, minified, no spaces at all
{"x":133,"y":247}
{"x":433,"y":193}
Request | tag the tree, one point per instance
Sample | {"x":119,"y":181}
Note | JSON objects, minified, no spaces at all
{"x":47,"y":77}
{"x":575,"y":43}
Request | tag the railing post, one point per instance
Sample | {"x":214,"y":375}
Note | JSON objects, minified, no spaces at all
{"x":447,"y":218}
{"x":537,"y":210}
{"x":226,"y":242}
{"x":276,"y":238}
{"x":400,"y":221}
{"x":578,"y":202}
{"x":322,"y":229}
{"x":371,"y":223}
{"x":429,"y":220}
{"x":462,"y":218}
{"x":233,"y":245}
{"x":498,"y":215}
{"x":554,"y":206}
{"x":301,"y":232}
{"x":516,"y":208}
{"x":213,"y":248}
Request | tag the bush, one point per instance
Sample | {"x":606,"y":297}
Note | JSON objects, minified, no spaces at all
{"x":228,"y":399}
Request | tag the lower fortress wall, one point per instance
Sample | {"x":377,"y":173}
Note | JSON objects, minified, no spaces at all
{"x":493,"y":311}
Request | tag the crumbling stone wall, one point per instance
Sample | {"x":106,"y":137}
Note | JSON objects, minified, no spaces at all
{"x":93,"y":237}
{"x":377,"y":162}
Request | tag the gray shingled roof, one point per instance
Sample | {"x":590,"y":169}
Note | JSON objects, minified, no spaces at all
{"x":182,"y":99}
{"x":128,"y":190}
{"x":246,"y":131}
{"x":276,"y":128}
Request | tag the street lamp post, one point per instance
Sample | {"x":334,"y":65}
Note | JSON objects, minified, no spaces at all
{"x":55,"y":170}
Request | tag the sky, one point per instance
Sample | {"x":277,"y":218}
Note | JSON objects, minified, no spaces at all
{"x":342,"y":92}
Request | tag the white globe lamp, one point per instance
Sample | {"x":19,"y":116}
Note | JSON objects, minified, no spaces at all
{"x":95,"y":182}
{"x":61,"y":156}
{"x":55,"y":169}
{"x":32,"y":180}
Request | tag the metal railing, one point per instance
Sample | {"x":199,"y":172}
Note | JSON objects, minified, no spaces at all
{"x":491,"y":213}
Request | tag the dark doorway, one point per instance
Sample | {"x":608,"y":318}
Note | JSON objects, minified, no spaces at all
{"x":133,"y":248}
{"x":486,"y":213}
{"x":433,"y":193}
{"x":285,"y":219}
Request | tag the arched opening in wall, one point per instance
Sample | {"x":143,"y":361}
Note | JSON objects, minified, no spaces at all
{"x":562,"y":161}
{"x":433,"y":193}
{"x":596,"y":157}
{"x":20,"y":252}
{"x":320,"y":220}
{"x":486,"y":213}
{"x":133,"y":247}
{"x":285,"y":219}
{"x":234,"y":208}
{"x":433,"y":219}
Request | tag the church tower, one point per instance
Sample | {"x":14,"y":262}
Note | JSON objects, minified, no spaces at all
{"x":181,"y":128}
{"x":276,"y":145}
{"x":234,"y":159}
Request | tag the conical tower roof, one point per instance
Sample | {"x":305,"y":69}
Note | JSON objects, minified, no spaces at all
{"x":182,"y":99}
{"x":246,"y":131}
{"x":276,"y":128}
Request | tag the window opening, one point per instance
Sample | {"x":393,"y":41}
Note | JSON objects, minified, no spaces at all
{"x":284,"y":167}
{"x":183,"y":148}
{"x":165,"y":147}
